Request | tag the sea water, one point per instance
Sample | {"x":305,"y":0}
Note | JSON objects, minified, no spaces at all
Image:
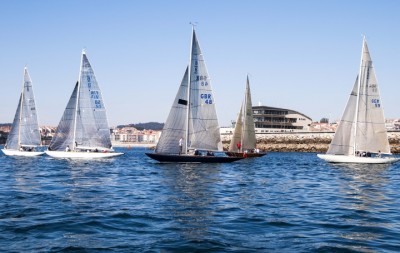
{"x":282,"y":202}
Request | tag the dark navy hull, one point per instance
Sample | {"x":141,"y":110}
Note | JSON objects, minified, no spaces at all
{"x":170,"y":158}
{"x":244,"y":155}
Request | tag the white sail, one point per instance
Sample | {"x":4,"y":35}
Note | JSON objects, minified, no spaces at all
{"x":64,"y":136}
{"x":362,"y":127}
{"x":205,"y":132}
{"x":174,"y":127}
{"x":244,"y":132}
{"x":84,"y":122}
{"x":371,"y":132}
{"x":25,"y":129}
{"x":237,"y":132}
{"x":249,"y":133}
{"x":193,"y":116}
{"x":343,"y":141}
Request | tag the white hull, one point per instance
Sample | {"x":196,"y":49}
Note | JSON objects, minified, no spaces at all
{"x":82,"y":155}
{"x":357,"y":159}
{"x":13,"y":152}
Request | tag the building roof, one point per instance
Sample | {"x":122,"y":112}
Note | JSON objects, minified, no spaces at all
{"x":264,"y":107}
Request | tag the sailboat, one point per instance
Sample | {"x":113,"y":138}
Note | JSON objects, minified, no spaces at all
{"x":191,"y":132}
{"x":243,"y":142}
{"x":361,"y":136}
{"x":83,"y":130}
{"x":24,"y":136}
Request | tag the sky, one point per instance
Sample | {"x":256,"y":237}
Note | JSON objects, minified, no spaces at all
{"x":299,"y":55}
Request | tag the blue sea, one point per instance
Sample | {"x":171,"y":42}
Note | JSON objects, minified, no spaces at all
{"x":282,"y":202}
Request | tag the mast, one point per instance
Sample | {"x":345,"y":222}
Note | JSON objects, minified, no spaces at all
{"x":20,"y":110}
{"x":77,"y":101}
{"x":358,"y":98}
{"x":188,"y":92}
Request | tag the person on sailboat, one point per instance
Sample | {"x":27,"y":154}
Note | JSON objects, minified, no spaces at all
{"x":238,"y":145}
{"x":180,"y":145}
{"x":67,"y":149}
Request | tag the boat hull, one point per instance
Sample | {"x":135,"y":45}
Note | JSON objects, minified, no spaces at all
{"x":82,"y":155}
{"x":244,"y":155}
{"x":13,"y":152}
{"x":357,"y":159}
{"x":171,"y":158}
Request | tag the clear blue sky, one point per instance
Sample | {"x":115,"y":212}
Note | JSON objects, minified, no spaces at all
{"x":301,"y":55}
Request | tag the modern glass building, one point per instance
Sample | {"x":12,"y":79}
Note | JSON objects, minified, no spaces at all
{"x":272,"y":119}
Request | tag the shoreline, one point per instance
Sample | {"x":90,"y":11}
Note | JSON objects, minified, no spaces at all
{"x":305,"y":141}
{"x":133,"y":145}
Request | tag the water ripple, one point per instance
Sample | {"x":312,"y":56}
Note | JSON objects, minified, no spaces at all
{"x":282,"y":202}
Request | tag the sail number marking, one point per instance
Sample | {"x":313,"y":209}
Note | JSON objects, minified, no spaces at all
{"x":94,"y":94}
{"x":89,"y":83}
{"x":207,"y":98}
{"x":376,"y":102}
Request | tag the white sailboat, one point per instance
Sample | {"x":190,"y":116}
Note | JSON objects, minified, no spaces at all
{"x":24,"y":136}
{"x":192,"y":121}
{"x":83,"y":131}
{"x":361,"y":136}
{"x":243,"y":142}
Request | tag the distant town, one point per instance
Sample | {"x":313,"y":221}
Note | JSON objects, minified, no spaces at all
{"x":126,"y":135}
{"x":267,"y":120}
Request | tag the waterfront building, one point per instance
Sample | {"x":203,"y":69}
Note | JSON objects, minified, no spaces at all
{"x":133,"y":135}
{"x":272,"y":119}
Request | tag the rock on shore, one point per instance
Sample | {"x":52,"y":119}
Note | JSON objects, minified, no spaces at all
{"x":305,"y":142}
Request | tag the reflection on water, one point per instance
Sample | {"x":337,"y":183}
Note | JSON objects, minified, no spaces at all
{"x":283,"y":202}
{"x":364,"y":189}
{"x":191,"y":189}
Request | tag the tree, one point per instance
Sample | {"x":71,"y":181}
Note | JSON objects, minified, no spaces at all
{"x":324,"y":120}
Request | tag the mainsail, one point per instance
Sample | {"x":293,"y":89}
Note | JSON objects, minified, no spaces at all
{"x":84,"y":122}
{"x":193,"y":116}
{"x":25,"y":128}
{"x":362,"y":127}
{"x":205,"y":132}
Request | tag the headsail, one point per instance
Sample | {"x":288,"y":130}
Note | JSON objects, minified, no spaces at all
{"x":174,"y":127}
{"x":64,"y":135}
{"x":25,"y":128}
{"x":343,"y":141}
{"x":237,"y":132}
{"x":84,"y":122}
